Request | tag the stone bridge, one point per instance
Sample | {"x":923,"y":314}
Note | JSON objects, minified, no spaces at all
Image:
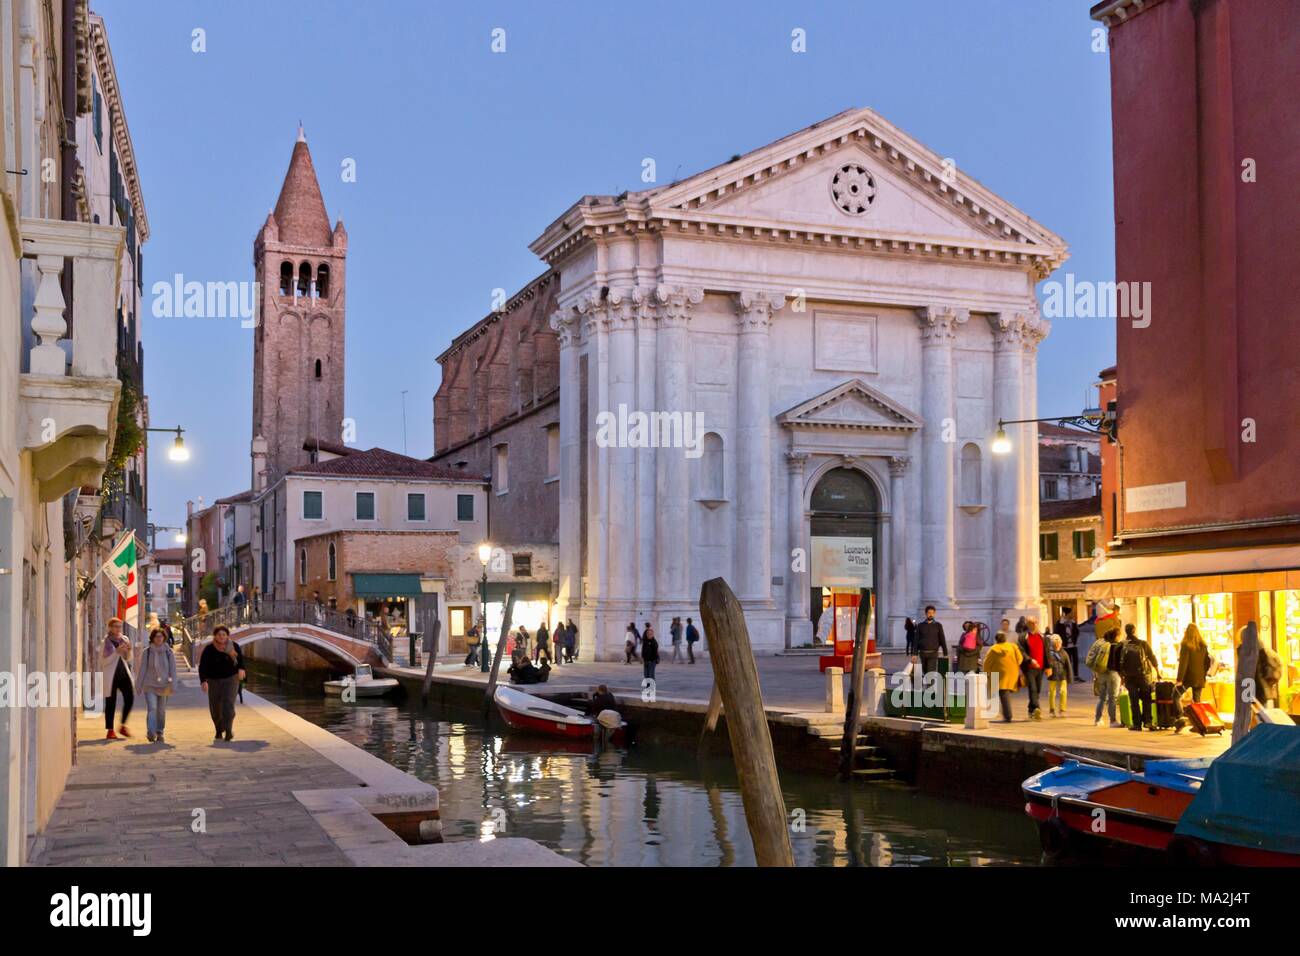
{"x":343,"y":640}
{"x":335,"y":647}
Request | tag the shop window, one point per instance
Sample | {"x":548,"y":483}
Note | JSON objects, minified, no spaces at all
{"x":365,"y":506}
{"x":333,"y":562}
{"x":464,"y":507}
{"x":523,"y":565}
{"x":1084,"y":543}
{"x":415,"y":507}
{"x":1047,"y":547}
{"x":312,"y":505}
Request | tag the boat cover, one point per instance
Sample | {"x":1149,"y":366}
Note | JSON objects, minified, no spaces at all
{"x":1251,"y":794}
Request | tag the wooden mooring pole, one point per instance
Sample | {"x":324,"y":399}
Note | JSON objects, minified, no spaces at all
{"x":853,"y":711}
{"x":711,"y":716}
{"x":433,"y":657}
{"x":501,"y":647}
{"x":736,"y":680}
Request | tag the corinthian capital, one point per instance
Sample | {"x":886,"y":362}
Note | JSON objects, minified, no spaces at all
{"x":567,"y":325}
{"x":673,"y":303}
{"x":754,"y":310}
{"x":939,"y":323}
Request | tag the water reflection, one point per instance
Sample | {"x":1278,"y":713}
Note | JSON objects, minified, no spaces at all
{"x":654,"y":805}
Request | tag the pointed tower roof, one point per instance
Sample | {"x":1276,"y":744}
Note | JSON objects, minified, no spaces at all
{"x":300,"y":210}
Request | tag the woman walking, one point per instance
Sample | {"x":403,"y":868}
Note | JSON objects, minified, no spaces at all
{"x":629,"y":646}
{"x":221,"y":668}
{"x":1193,"y":662}
{"x":968,"y":648}
{"x":649,"y":651}
{"x":117,"y":678}
{"x":158,"y":681}
{"x":675,"y":632}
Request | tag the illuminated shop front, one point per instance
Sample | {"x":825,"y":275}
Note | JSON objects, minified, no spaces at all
{"x":1220,"y":605}
{"x":534,"y":604}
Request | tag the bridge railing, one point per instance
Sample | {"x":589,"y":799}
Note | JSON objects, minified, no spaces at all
{"x":292,"y":612}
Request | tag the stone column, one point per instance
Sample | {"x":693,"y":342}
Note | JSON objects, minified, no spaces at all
{"x":621,"y":477}
{"x":1011,"y":498}
{"x":1035,"y":331}
{"x":672,"y":474}
{"x":938,"y":502}
{"x":753,"y":494}
{"x":798,"y":623}
{"x":565,"y":323}
{"x":647,"y":401}
{"x":898,"y":590}
{"x":595,"y":332}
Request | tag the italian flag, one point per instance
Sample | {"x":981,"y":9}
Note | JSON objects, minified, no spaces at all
{"x":122,"y":570}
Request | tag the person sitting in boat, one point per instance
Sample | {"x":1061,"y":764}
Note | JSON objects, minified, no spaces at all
{"x":602,"y":699}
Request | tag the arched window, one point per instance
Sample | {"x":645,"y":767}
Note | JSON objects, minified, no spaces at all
{"x":302,"y":566}
{"x":712,"y":473}
{"x":286,"y":277}
{"x":304,"y":279}
{"x":318,"y":368}
{"x":323,"y":280}
{"x":333,"y":564}
{"x":972,"y":483}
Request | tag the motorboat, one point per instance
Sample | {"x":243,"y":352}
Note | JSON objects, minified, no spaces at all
{"x":363,"y":682}
{"x":1082,"y":800}
{"x":528,"y":713}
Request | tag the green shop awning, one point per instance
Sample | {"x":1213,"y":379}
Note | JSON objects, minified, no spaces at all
{"x":385,"y":585}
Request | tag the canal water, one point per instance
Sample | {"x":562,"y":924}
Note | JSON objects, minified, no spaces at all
{"x":652,"y":805}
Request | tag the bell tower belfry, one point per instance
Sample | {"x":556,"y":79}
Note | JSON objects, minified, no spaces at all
{"x":298,"y":343}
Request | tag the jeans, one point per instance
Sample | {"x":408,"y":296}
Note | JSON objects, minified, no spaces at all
{"x":677,"y":651}
{"x":1109,"y":684}
{"x":156,"y":719}
{"x":221,"y":702}
{"x":1034,"y":683}
{"x":690,"y":651}
{"x":629,"y":650}
{"x":1056,"y":694}
{"x":1139,"y":695}
{"x":648,"y":668}
{"x":121,"y":682}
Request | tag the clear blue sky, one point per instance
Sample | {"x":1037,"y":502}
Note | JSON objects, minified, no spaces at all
{"x":463,"y":156}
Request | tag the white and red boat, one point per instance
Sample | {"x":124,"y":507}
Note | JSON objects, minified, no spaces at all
{"x":528,"y":713}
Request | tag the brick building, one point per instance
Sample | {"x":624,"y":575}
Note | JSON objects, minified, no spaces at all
{"x":1205,"y":513}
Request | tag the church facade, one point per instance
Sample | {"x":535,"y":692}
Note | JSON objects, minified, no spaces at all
{"x":820,"y":337}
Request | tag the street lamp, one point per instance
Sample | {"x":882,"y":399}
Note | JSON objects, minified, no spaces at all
{"x":485,"y":653}
{"x":178,"y":451}
{"x":1092,"y":420}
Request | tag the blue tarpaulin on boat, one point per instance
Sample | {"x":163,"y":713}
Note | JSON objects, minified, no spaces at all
{"x":1251,"y":794}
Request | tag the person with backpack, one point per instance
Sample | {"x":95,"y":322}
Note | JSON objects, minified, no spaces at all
{"x":1139,"y":668}
{"x":1060,"y":672}
{"x":692,"y":635}
{"x":968,"y":648}
{"x":1105,"y":679}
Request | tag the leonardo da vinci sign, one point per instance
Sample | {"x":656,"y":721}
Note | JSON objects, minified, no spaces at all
{"x":842,"y":563}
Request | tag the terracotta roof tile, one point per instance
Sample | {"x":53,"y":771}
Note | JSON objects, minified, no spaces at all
{"x":300,"y":210}
{"x":381,"y":463}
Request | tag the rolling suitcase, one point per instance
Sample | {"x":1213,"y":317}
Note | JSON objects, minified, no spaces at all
{"x":1205,"y":719}
{"x":1125,"y":709}
{"x":1168,"y":708}
{"x":1271,"y":715}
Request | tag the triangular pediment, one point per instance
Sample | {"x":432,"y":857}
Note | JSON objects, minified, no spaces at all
{"x":916,"y":191}
{"x":853,"y":405}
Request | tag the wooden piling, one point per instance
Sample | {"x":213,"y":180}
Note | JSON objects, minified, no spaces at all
{"x":711,"y":716}
{"x":736,"y":679}
{"x":501,"y":647}
{"x":433,"y":657}
{"x":853,"y":710}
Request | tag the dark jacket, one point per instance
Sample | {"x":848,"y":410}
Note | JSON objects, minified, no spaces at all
{"x":601,"y":702}
{"x":1137,"y":653}
{"x":215,"y":664}
{"x":1059,"y":662}
{"x":650,"y":649}
{"x":1193,"y":666}
{"x":543,"y":636}
{"x":909,"y":634}
{"x":929,"y":638}
{"x":1068,"y":632}
{"x":692,"y":635}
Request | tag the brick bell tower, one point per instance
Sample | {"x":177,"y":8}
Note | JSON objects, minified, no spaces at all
{"x":298,"y":344}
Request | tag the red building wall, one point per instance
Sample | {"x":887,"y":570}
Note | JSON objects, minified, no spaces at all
{"x":1199,"y":87}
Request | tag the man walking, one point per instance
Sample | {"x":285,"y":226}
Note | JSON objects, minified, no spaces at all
{"x":675,"y":632}
{"x":930,"y":642}
{"x":240,"y":601}
{"x":692,"y":635}
{"x":1138,"y":666}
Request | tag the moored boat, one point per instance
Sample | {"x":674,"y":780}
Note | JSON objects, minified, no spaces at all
{"x":528,"y":713}
{"x":363,"y":682}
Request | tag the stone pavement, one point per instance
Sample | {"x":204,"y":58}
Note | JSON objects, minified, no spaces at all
{"x":130,"y":802}
{"x":793,"y":685}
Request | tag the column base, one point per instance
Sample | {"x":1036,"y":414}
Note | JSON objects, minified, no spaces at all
{"x":798,"y":631}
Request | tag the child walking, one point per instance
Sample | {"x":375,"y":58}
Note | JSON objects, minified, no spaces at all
{"x":1060,"y":672}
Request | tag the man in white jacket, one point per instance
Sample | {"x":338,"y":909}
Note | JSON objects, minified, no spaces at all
{"x":117,"y":677}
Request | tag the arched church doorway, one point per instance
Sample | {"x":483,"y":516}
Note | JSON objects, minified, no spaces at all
{"x":844,"y":529}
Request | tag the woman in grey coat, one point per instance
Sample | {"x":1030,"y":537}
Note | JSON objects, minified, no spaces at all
{"x":158,"y":680}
